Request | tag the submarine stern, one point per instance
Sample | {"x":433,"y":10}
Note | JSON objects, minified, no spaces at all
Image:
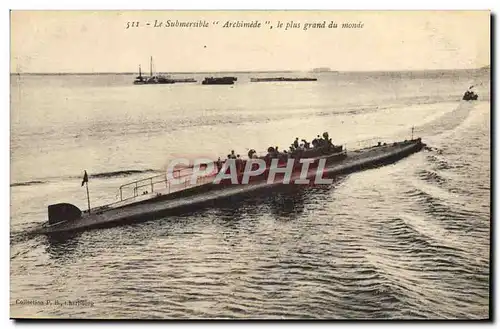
{"x":62,"y":212}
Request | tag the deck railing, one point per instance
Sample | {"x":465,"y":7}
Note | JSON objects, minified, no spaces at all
{"x":162,"y":183}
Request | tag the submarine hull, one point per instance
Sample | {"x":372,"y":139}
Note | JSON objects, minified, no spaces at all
{"x":209,"y":194}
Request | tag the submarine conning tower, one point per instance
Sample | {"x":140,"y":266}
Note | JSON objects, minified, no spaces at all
{"x":61,"y":212}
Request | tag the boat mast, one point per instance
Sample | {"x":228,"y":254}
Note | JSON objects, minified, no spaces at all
{"x":140,"y":75}
{"x":151,"y":66}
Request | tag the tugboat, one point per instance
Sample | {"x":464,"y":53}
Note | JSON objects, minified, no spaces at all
{"x":157,"y":196}
{"x":219,"y":81}
{"x":152,"y":79}
{"x":140,"y":80}
{"x":470,"y":95}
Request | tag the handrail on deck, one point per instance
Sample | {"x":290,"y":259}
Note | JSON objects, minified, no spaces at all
{"x":150,"y":180}
{"x":152,"y":183}
{"x":136,"y":182}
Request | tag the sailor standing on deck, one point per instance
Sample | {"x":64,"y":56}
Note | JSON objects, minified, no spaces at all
{"x":239,"y":164}
{"x":317,"y":141}
{"x":306,"y":144}
{"x":219,"y":165}
{"x":251,"y":153}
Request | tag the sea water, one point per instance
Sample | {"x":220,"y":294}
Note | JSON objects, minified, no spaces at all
{"x":409,"y":240}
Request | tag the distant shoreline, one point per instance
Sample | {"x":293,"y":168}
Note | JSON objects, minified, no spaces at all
{"x":135,"y":73}
{"x":241,"y":72}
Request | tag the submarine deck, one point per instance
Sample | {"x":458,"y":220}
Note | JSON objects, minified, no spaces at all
{"x":354,"y":161}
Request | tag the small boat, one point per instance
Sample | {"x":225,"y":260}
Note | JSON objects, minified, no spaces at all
{"x":140,"y":80}
{"x":152,"y":79}
{"x":470,"y":96}
{"x":281,"y":79}
{"x":219,"y":81}
{"x":155,"y":197}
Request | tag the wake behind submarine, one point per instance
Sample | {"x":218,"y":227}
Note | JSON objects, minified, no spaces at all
{"x":157,"y":197}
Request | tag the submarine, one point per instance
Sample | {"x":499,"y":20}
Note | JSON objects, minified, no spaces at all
{"x":161,"y":198}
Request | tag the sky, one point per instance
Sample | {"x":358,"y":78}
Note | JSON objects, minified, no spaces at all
{"x":98,"y":41}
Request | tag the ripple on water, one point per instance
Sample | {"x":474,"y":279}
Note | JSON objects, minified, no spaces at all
{"x":410,"y":240}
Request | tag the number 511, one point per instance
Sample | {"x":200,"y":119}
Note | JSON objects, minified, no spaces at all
{"x":132,"y":24}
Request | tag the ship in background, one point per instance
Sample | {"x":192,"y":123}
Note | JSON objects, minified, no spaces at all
{"x":157,"y":79}
{"x":291,"y":79}
{"x":322,"y":70}
{"x":219,"y":81}
{"x":281,"y":79}
{"x":470,"y":95}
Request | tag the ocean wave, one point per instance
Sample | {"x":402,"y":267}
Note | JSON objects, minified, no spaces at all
{"x":438,"y":163}
{"x":103,"y":175}
{"x":29,"y":183}
{"x":431,"y":177}
{"x":452,"y":216}
{"x":120,"y":173}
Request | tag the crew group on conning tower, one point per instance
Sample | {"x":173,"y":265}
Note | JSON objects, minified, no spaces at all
{"x":318,"y":146}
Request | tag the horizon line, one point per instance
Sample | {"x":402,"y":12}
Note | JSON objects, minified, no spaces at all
{"x":251,"y":71}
